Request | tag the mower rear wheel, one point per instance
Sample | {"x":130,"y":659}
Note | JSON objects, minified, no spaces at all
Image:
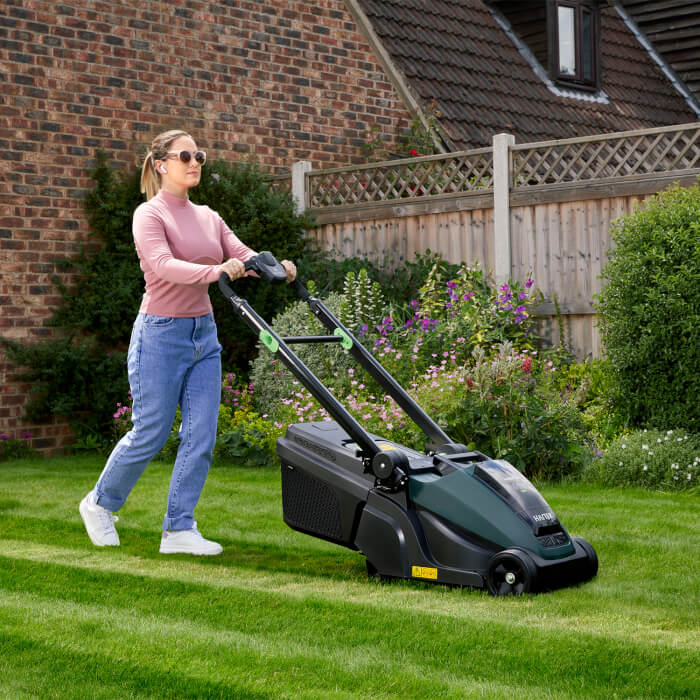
{"x":511,"y":572}
{"x":373,"y":573}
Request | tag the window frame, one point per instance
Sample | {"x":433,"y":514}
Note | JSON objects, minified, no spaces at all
{"x":578,"y":80}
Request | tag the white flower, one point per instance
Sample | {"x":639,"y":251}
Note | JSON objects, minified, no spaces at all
{"x":669,"y":432}
{"x":621,"y":464}
{"x":645,"y":447}
{"x":690,"y":477}
{"x":645,"y":468}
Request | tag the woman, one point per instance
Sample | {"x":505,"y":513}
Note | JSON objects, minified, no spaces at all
{"x":174,"y":356}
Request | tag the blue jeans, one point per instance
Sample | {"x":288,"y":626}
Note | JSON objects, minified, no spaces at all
{"x":171,"y":361}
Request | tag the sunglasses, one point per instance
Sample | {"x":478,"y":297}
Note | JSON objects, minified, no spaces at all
{"x":186,"y":156}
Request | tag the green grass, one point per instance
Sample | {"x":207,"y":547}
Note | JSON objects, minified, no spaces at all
{"x":283,"y":615}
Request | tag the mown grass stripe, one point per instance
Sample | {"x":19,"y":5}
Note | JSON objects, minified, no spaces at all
{"x":197,"y":651}
{"x":623,"y":623}
{"x":435,"y":642}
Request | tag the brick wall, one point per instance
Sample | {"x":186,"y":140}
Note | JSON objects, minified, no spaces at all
{"x":273,"y":80}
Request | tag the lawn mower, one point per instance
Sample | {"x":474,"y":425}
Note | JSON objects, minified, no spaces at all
{"x":448,"y":515}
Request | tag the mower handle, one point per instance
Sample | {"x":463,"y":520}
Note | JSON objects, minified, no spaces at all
{"x":265,"y":264}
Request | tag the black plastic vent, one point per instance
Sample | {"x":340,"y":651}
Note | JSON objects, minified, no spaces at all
{"x":309,"y":504}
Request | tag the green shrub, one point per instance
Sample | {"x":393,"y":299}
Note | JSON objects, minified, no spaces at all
{"x":73,"y":378}
{"x":650,"y":311}
{"x":15,"y":448}
{"x":328,"y":361}
{"x":600,"y":414}
{"x":399,"y":283}
{"x":653,"y":458}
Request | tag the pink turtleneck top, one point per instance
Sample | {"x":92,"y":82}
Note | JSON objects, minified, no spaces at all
{"x":181,"y":247}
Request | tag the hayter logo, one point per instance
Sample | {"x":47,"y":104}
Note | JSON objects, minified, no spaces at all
{"x":543,"y":516}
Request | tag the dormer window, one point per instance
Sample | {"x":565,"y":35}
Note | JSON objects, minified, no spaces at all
{"x":562,"y":36}
{"x":573,"y":43}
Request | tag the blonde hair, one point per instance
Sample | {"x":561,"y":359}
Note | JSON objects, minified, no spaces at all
{"x":150,"y":177}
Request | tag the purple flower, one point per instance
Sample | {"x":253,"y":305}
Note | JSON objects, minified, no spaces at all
{"x":529,"y":283}
{"x":468,"y":296}
{"x":4,"y":437}
{"x":27,"y":436}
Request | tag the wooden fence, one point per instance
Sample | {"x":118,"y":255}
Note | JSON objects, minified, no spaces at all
{"x":541,"y":209}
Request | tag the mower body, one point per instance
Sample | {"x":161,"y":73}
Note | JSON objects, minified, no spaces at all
{"x":460,"y":519}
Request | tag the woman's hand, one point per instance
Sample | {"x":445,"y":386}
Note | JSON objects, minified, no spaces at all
{"x":234,"y":268}
{"x":291,"y":269}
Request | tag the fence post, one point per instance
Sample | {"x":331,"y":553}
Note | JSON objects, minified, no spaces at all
{"x":501,"y":205}
{"x":299,"y":170}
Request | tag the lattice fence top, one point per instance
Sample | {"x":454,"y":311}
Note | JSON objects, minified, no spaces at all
{"x":634,"y":153}
{"x":426,"y":176}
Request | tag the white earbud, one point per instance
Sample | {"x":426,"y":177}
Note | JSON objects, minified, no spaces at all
{"x":162,"y":169}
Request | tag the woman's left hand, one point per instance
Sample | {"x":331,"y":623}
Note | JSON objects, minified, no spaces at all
{"x":291,"y":269}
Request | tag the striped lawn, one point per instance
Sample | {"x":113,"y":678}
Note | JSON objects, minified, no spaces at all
{"x":283,"y":615}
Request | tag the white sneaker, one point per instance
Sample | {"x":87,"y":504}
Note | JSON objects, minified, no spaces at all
{"x":99,"y":522}
{"x":188,"y":542}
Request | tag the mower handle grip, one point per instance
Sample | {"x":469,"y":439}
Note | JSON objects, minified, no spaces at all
{"x":265,"y":264}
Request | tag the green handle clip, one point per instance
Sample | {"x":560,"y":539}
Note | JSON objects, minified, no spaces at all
{"x":346,"y":341}
{"x":270,"y":342}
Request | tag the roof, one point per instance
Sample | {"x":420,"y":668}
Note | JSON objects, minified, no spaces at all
{"x":674,"y":30}
{"x":455,"y":53}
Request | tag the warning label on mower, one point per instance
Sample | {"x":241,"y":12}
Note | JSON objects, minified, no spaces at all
{"x":424,"y":572}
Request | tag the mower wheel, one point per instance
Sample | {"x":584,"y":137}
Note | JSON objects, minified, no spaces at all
{"x":373,"y":573}
{"x":511,"y":572}
{"x":590,"y":553}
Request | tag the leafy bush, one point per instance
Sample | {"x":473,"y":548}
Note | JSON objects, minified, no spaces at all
{"x":599,"y":412}
{"x":453,"y":316}
{"x":650,"y":311}
{"x":274,"y":382}
{"x":653,"y":458}
{"x":71,"y":377}
{"x":399,"y":284}
{"x":15,"y":448}
{"x":244,"y":435}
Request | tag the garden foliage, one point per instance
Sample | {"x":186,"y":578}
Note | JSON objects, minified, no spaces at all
{"x":455,"y":351}
{"x":650,"y":311}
